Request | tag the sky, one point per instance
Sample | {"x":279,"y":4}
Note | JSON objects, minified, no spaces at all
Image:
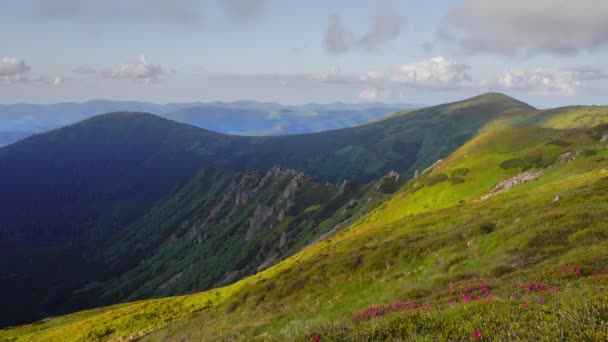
{"x":545,"y":52}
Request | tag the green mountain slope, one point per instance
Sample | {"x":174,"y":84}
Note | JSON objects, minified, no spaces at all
{"x":77,"y":191}
{"x":505,"y":237}
{"x":221,"y":226}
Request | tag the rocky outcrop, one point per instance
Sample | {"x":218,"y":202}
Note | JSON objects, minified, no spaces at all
{"x":436,"y":163}
{"x":260,"y":215}
{"x":569,"y":156}
{"x":512,"y":182}
{"x":281,"y":205}
{"x":390,"y":183}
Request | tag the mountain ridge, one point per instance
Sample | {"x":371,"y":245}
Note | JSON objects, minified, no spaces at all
{"x":121,"y":165}
{"x":434,"y":242}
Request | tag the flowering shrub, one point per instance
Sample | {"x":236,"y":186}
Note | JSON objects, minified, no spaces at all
{"x":379,"y":311}
{"x":471,"y":293}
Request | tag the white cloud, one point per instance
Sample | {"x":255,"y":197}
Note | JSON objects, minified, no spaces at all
{"x":542,"y":80}
{"x":374,"y":94}
{"x":13,"y":69}
{"x":140,"y":70}
{"x":528,"y":27}
{"x":438,"y":72}
{"x":435,"y":72}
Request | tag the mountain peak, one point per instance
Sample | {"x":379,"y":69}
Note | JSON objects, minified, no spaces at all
{"x":495,"y":97}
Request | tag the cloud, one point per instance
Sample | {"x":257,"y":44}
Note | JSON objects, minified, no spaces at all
{"x":338,"y":39}
{"x":13,"y":69}
{"x":374,"y":94}
{"x":527,"y":27}
{"x":438,"y":72}
{"x":141,"y":70}
{"x":386,"y":27}
{"x":547,"y":81}
{"x":84,"y":69}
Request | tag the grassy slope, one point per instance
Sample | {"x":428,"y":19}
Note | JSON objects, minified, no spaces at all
{"x":417,"y":246}
{"x":104,"y":173}
{"x":568,"y":117}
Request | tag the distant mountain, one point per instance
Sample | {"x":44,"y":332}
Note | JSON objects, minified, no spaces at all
{"x":241,"y":117}
{"x":40,"y":117}
{"x":9,"y":137}
{"x":130,"y":192}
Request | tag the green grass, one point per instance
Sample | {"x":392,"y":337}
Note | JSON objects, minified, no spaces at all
{"x":568,"y":117}
{"x":419,"y":245}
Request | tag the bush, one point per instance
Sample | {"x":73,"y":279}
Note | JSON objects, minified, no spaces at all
{"x":559,"y":142}
{"x":501,"y":270}
{"x":417,"y":294}
{"x":589,"y":152}
{"x":511,"y":164}
{"x":525,"y":163}
{"x":435,"y":179}
{"x":461,"y":172}
{"x":456,"y":180}
{"x":487,"y":227}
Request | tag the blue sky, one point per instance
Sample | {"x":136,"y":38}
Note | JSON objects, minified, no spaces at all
{"x":546,"y":52}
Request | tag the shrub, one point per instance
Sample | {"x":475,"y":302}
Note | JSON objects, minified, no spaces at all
{"x":487,"y":227}
{"x":501,"y":270}
{"x":232,"y":307}
{"x":525,"y":163}
{"x":589,"y":152}
{"x":456,"y":180}
{"x":511,"y":164}
{"x":559,"y":142}
{"x":460,"y":172}
{"x":435,"y":179}
{"x":417,"y":293}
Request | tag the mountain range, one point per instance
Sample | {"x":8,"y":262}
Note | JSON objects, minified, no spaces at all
{"x":475,"y":218}
{"x":241,"y":118}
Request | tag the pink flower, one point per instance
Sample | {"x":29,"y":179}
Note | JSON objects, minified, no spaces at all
{"x":477,"y":334}
{"x":316,"y":337}
{"x":525,"y":304}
